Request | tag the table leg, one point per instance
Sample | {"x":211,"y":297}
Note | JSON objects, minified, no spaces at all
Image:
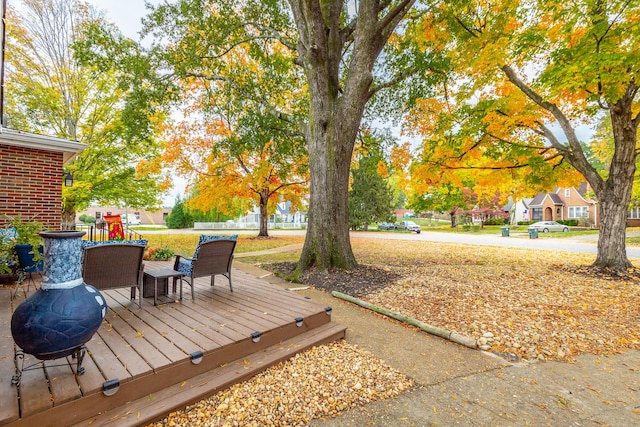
{"x":155,"y":292}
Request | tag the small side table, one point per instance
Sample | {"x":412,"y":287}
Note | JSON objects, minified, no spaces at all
{"x":163,"y":275}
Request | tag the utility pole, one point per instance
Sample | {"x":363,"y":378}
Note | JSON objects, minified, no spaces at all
{"x":4,"y":32}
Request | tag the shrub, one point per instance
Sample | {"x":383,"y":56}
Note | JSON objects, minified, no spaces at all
{"x":87,"y":219}
{"x":496,"y":221}
{"x":179,"y":217}
{"x":158,"y":254}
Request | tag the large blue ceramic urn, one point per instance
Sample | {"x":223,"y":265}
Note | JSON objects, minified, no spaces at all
{"x":58,"y":319}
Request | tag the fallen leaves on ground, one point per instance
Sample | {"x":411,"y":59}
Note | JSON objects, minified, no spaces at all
{"x":318,"y":383}
{"x":536,"y":304}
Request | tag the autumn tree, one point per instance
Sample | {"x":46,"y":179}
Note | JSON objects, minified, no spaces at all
{"x":231,"y":170}
{"x":240,"y":93}
{"x":49,"y":91}
{"x":527,"y":75}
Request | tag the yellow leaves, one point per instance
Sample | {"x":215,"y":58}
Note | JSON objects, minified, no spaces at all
{"x":426,"y":116}
{"x":382,"y":169}
{"x":400,"y":156}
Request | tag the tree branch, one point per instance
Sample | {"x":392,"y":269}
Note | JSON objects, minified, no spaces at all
{"x":390,"y":21}
{"x":574,"y":151}
{"x":272,"y":110}
{"x":287,"y":184}
{"x":397,"y":79}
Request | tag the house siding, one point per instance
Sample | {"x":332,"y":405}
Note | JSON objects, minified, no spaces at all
{"x":31,"y":184}
{"x":575,"y":200}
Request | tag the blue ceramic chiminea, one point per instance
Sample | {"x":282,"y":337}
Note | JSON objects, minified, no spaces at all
{"x":58,"y":319}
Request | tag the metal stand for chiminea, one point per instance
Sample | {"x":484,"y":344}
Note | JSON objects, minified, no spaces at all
{"x":77,"y":353}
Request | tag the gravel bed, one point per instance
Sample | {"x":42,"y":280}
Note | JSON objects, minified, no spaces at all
{"x":319,"y":383}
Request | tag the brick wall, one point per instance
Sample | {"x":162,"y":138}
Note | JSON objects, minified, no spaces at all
{"x":31,"y":184}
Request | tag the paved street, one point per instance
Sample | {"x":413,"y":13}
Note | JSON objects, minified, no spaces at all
{"x":584,"y":244}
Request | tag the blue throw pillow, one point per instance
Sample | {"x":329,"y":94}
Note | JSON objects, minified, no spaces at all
{"x":205,"y":238}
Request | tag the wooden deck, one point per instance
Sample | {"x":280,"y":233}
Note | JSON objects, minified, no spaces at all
{"x":148,"y":352}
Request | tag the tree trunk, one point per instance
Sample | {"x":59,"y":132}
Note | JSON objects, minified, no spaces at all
{"x":614,"y":195}
{"x":264,"y":213}
{"x":327,"y":242}
{"x":452,"y":216}
{"x":612,"y":252}
{"x":68,"y":215}
{"x":339,"y":88}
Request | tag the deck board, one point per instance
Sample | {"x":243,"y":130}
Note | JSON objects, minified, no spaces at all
{"x":138,"y":341}
{"x":62,"y":382}
{"x":34,"y":390}
{"x":91,"y":381}
{"x":148,"y":349}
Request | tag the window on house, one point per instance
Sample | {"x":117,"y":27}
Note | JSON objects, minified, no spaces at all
{"x":578,"y":211}
{"x":567,"y":192}
{"x":98,"y":214}
{"x":536,"y":214}
{"x":634,"y":213}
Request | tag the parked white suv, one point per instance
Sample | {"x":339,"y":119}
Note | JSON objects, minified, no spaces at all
{"x":408,"y":225}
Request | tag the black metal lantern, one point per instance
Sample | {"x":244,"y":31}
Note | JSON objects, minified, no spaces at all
{"x":68,"y":179}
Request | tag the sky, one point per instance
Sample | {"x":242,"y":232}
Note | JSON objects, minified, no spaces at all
{"x":126,"y":14}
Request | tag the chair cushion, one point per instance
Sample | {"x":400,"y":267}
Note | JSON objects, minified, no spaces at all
{"x":185,"y":267}
{"x":204,"y":238}
{"x":91,"y":243}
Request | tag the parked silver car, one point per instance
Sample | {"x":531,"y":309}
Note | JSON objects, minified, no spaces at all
{"x":547,"y":226}
{"x":408,"y":225}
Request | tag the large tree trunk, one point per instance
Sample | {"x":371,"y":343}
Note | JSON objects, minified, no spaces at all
{"x":327,"y":242}
{"x":614,"y":194}
{"x":338,"y":96}
{"x":612,"y":252}
{"x":264,"y":213}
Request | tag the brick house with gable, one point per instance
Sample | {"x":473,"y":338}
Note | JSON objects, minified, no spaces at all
{"x":31,"y":175}
{"x":565,"y":204}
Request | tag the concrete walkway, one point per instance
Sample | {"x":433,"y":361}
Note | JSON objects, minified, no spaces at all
{"x":460,"y":386}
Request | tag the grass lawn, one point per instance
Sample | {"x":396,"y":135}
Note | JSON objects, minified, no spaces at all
{"x":186,"y":243}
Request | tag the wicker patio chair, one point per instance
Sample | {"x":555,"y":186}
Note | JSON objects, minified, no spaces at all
{"x":113,"y":266}
{"x":211,"y":258}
